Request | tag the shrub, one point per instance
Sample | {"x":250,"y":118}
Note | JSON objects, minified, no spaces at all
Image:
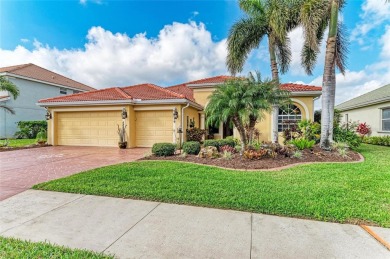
{"x":191,"y":147}
{"x":227,"y":148}
{"x":195,"y":134}
{"x":341,"y":134}
{"x":302,"y":143}
{"x":236,"y":140}
{"x":227,"y":155}
{"x":30,"y":129}
{"x":255,"y":154}
{"x":164,"y":149}
{"x":219,"y":143}
{"x":297,"y":154}
{"x":363,"y":129}
{"x":376,"y":140}
{"x":41,"y":136}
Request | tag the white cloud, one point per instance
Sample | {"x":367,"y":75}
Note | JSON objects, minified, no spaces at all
{"x":180,"y":52}
{"x":24,"y":40}
{"x":297,"y":41}
{"x":375,"y":12}
{"x":84,"y":2}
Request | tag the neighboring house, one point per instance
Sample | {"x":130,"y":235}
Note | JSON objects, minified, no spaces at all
{"x":372,"y":108}
{"x":91,"y":119}
{"x":34,"y":83}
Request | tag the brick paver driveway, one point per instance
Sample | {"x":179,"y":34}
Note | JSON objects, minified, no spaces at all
{"x":21,"y":169}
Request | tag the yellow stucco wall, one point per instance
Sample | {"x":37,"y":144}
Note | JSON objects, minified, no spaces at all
{"x":201,"y":95}
{"x":193,"y":114}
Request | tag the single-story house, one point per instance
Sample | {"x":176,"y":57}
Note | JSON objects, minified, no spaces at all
{"x":372,"y":107}
{"x":92,"y":118}
{"x":34,"y":83}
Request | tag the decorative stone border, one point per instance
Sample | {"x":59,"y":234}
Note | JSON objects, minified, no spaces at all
{"x":263,"y":170}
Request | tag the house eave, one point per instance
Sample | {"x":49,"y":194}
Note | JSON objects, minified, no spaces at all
{"x":361,"y":105}
{"x":121,"y":102}
{"x":306,"y":93}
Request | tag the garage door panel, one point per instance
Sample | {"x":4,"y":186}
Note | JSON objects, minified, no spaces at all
{"x":94,"y":128}
{"x":153,"y":127}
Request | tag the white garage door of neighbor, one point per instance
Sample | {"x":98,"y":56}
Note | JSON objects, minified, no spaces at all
{"x":153,"y":127}
{"x":92,"y":128}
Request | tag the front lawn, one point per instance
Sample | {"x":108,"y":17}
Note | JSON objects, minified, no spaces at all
{"x":15,"y":248}
{"x":21,"y":142}
{"x":346,"y":193}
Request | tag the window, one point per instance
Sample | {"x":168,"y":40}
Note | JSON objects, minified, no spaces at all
{"x":63,"y":91}
{"x":386,"y":119}
{"x":289,"y":115}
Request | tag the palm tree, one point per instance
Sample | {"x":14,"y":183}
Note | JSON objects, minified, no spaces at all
{"x":265,"y":18}
{"x":315,"y":17}
{"x":243,"y":102}
{"x":6,"y":85}
{"x":263,"y":95}
{"x":227,"y":105}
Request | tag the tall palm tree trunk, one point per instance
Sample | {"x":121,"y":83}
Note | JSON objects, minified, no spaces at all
{"x":329,"y":82}
{"x":275,"y":77}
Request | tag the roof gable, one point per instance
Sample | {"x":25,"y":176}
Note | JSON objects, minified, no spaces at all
{"x":39,"y":73}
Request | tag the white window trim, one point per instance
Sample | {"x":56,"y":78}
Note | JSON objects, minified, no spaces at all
{"x":381,"y":121}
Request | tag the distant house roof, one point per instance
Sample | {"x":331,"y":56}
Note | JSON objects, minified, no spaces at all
{"x":38,"y":73}
{"x":379,"y":95}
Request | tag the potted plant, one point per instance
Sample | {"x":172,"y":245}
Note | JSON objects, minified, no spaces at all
{"x":41,"y":137}
{"x":122,"y":136}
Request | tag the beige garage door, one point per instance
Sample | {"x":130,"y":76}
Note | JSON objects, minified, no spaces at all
{"x":95,"y":128}
{"x":152,"y":127}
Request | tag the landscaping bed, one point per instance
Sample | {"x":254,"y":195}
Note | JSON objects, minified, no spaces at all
{"x":10,"y":148}
{"x":238,"y":162}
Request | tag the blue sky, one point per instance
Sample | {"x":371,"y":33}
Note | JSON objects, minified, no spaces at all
{"x":106,"y":43}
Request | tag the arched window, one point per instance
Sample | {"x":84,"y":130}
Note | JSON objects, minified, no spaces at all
{"x":289,"y":115}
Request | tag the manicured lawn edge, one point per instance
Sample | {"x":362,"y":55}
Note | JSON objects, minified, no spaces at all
{"x":16,"y":248}
{"x":263,"y":170}
{"x":354,"y":193}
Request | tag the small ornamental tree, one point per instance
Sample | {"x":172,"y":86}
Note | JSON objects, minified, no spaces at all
{"x":363,"y":129}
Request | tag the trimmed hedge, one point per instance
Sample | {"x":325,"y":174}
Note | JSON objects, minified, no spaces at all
{"x":191,"y":147}
{"x":378,"y":140}
{"x":30,"y":129}
{"x":219,"y":143}
{"x":164,"y":149}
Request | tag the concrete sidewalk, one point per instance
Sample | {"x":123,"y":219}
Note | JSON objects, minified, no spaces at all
{"x":134,"y":229}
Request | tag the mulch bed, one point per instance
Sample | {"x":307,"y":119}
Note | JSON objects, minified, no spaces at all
{"x":4,"y":149}
{"x":238,"y":162}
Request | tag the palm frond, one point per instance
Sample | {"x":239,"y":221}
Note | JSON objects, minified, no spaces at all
{"x":252,"y":7}
{"x":312,"y":16}
{"x":6,"y":85}
{"x":244,"y":36}
{"x":309,"y":55}
{"x":283,"y":54}
{"x":8,"y":109}
{"x":342,"y":45}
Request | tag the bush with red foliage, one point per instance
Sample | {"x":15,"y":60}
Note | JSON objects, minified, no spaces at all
{"x":363,"y":129}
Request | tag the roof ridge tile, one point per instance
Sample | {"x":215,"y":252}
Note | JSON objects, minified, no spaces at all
{"x":123,"y":93}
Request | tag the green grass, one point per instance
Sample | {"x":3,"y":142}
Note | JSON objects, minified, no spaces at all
{"x":15,"y":248}
{"x":347,"y":193}
{"x":20,"y":142}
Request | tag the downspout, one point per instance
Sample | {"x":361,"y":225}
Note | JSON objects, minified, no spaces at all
{"x":182,"y":121}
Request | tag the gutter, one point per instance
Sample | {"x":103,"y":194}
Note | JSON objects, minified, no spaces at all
{"x":365,"y":104}
{"x":111,"y":102}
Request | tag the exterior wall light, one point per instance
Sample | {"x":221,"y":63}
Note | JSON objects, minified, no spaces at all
{"x":48,"y":115}
{"x":124,"y":113}
{"x":175,"y":114}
